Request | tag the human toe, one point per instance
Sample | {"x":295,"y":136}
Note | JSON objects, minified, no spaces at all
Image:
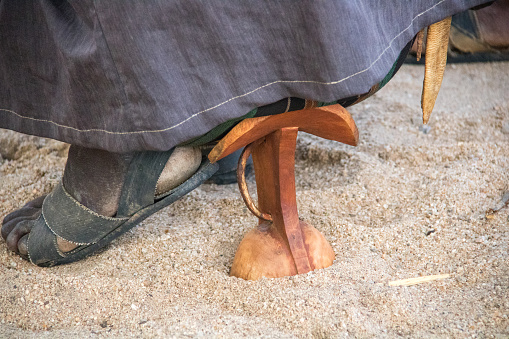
{"x":36,"y":203}
{"x":23,"y":246}
{"x":24,"y":212}
{"x":8,"y":226}
{"x":21,"y":229}
{"x":31,"y":208}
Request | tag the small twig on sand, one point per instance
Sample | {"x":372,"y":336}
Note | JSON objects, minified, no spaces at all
{"x":501,"y":204}
{"x":418,"y":280}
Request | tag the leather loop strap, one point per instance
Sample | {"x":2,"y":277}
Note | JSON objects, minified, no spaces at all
{"x":241,"y":178}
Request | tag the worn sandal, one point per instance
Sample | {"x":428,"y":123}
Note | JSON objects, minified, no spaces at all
{"x":93,"y":231}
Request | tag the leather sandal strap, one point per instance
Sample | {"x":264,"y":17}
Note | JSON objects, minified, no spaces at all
{"x":63,"y":213}
{"x":140,"y":183}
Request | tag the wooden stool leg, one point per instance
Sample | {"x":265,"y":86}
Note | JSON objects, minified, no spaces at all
{"x":285,"y":246}
{"x":274,"y":163}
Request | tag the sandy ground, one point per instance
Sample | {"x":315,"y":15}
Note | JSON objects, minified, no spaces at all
{"x":409,"y":201}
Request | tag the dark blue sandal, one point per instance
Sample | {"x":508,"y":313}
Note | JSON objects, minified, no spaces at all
{"x":65,"y":217}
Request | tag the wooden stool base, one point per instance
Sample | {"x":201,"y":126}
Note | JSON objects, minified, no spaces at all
{"x":264,"y":252}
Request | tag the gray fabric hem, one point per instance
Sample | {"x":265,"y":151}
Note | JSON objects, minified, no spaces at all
{"x":131,"y":136}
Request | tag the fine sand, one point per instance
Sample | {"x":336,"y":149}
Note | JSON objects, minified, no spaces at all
{"x":409,"y":201}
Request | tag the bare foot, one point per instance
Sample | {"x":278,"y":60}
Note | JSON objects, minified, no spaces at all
{"x":95,"y":179}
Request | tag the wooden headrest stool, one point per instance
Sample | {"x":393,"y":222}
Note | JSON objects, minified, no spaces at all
{"x":281,"y":245}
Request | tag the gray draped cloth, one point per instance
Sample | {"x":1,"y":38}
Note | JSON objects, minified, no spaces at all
{"x":147,"y":75}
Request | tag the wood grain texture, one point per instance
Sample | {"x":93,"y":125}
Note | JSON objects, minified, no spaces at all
{"x":330,"y":122}
{"x":285,"y":246}
{"x":264,"y":253}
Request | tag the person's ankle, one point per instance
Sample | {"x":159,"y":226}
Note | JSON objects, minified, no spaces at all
{"x":95,"y":178}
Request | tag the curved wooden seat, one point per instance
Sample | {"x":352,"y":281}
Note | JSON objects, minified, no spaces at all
{"x":330,"y":122}
{"x":281,"y":244}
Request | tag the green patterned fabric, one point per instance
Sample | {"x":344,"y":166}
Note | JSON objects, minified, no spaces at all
{"x":219,"y":130}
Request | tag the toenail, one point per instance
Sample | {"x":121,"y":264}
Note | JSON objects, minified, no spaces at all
{"x":23,"y":245}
